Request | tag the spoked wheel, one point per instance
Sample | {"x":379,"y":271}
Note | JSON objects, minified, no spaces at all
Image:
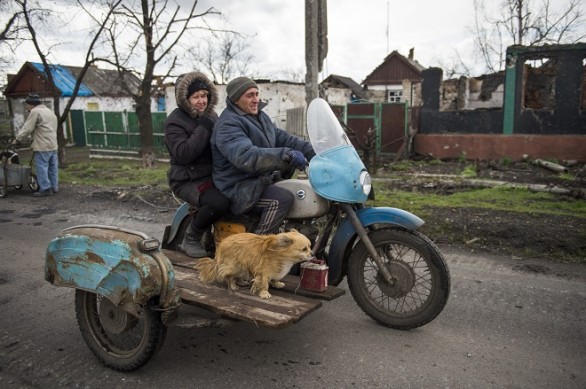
{"x":33,"y":183}
{"x":117,"y":338}
{"x":420,"y":283}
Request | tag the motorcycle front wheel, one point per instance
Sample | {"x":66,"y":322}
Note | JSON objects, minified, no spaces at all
{"x":118,"y":339}
{"x":420,"y":279}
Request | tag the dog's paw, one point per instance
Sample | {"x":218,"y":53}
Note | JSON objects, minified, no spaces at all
{"x":278,"y":284}
{"x":264,"y":294}
{"x":232,"y":285}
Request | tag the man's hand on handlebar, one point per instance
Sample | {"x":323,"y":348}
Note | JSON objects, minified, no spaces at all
{"x":296,"y":159}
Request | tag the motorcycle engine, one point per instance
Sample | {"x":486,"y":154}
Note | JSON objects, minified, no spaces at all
{"x":309,"y":230}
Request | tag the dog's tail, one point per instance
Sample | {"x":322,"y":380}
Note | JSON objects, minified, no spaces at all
{"x":207,"y":270}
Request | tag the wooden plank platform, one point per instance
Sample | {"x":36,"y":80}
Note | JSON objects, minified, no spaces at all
{"x":281,"y":310}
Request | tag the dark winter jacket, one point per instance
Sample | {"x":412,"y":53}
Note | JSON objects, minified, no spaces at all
{"x":187,"y":136}
{"x":246,"y":151}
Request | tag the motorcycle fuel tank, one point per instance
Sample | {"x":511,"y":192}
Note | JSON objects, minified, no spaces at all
{"x":307,"y":203}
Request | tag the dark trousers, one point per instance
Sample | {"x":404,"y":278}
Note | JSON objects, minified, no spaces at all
{"x":213,"y":205}
{"x":273,"y":206}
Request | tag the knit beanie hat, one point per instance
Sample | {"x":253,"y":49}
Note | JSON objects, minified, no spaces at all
{"x":33,"y":99}
{"x":195,"y":86}
{"x":236,"y":88}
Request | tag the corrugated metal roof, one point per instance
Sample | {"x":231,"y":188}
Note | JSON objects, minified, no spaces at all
{"x":64,"y":80}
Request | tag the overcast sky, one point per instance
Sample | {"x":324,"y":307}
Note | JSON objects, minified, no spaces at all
{"x":360,"y":34}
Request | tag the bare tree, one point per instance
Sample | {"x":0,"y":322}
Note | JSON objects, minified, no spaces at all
{"x":10,"y":32}
{"x":455,"y":66}
{"x":223,"y":55}
{"x":148,"y":33}
{"x":524,"y":22}
{"x":35,"y":17}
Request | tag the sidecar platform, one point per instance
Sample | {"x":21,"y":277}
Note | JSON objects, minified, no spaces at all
{"x":286,"y":306}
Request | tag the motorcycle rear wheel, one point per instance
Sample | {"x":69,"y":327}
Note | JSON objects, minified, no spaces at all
{"x":118,"y":339}
{"x":421,"y":279}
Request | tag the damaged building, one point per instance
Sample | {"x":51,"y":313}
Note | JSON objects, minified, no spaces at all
{"x":535,"y":108}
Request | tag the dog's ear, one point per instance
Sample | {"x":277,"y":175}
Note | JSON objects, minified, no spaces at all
{"x":282,"y":241}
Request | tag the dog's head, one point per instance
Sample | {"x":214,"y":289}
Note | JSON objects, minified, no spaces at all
{"x":292,"y":246}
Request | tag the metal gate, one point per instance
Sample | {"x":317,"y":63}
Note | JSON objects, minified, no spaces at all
{"x":383,"y":126}
{"x":115,"y":131}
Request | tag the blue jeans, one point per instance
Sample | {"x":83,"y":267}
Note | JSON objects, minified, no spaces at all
{"x":47,"y":168}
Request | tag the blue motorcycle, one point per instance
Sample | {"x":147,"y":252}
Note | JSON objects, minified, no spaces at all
{"x":129,"y":287}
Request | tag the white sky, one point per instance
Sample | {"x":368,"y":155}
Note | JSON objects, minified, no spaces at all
{"x":357,"y":34}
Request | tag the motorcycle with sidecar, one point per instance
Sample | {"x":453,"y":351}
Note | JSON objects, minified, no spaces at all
{"x":129,"y":287}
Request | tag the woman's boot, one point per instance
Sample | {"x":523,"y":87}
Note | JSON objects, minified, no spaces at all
{"x":191,"y":244}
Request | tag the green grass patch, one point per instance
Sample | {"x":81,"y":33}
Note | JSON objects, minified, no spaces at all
{"x":469,"y":171}
{"x":113,"y":172}
{"x":499,"y":198}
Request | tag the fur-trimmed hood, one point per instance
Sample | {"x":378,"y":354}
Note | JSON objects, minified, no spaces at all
{"x":181,"y":86}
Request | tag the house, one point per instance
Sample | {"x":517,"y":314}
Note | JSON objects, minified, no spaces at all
{"x":396,"y":79}
{"x":101,"y":90}
{"x":342,"y":88}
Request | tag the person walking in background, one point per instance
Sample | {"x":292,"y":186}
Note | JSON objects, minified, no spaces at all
{"x":250,"y":153}
{"x":41,"y":125}
{"x":188,"y":130}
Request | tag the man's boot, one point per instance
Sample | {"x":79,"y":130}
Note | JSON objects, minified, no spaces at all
{"x":191,"y":244}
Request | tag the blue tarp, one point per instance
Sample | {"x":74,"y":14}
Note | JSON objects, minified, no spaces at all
{"x":64,"y":80}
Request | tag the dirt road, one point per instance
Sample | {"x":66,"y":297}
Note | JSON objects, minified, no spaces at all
{"x":508,"y":323}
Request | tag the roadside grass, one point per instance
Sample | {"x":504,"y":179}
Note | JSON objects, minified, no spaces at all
{"x":498,"y":198}
{"x":517,"y":203}
{"x":113,"y":173}
{"x":131,"y":173}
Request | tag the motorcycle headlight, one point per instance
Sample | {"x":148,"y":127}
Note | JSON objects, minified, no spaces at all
{"x":365,"y":182}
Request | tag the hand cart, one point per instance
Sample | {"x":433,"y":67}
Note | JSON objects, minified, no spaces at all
{"x":13,"y":174}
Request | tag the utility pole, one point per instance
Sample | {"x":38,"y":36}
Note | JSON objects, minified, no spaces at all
{"x":316,"y":45}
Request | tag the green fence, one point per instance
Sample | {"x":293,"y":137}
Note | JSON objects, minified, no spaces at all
{"x":119,"y":131}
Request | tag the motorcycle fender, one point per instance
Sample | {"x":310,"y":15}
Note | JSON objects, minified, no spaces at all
{"x":181,"y":213}
{"x":124,"y":266}
{"x":346,"y":233}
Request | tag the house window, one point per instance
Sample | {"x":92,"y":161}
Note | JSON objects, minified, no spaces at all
{"x":395,"y":96}
{"x":93,"y":106}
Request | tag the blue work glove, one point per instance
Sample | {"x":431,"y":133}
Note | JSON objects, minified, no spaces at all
{"x":296,"y":159}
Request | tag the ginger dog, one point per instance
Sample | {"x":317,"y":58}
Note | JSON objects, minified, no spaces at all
{"x":267,"y":258}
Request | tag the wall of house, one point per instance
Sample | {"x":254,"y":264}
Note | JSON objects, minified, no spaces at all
{"x":472,"y":93}
{"x":411,"y":92}
{"x":337,"y":96}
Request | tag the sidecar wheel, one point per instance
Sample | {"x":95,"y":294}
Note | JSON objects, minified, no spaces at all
{"x":118,"y":339}
{"x":33,"y":184}
{"x":421,"y":279}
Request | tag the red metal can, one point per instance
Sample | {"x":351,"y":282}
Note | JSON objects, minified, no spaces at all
{"x":314,"y":275}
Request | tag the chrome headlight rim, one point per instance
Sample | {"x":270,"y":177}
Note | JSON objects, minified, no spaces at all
{"x":365,"y":182}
